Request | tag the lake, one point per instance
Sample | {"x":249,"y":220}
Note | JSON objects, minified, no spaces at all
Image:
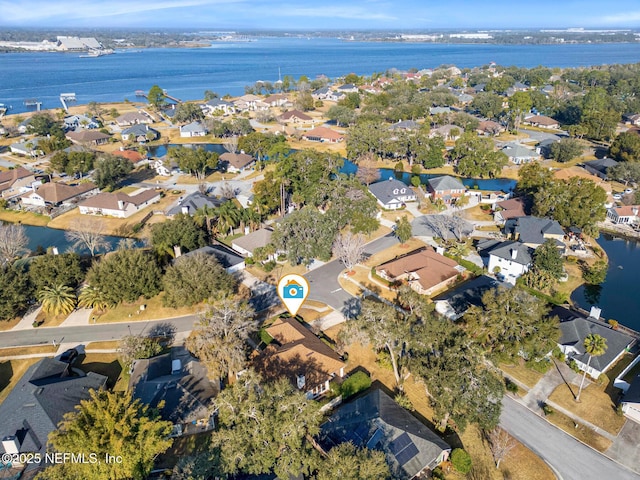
{"x":46,"y":237}
{"x":350,"y":168}
{"x":227,"y":67}
{"x":618,"y":296}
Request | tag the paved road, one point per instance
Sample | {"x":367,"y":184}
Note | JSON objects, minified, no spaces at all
{"x":323,"y":281}
{"x":571,"y":459}
{"x":88,"y":333}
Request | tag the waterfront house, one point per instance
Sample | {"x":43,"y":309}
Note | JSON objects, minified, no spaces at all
{"x":519,"y":154}
{"x":16,"y":181}
{"x":276,"y":100}
{"x":453,"y":304}
{"x":377,"y":422}
{"x":193,"y":129}
{"x":88,"y":137}
{"x":392,"y":194}
{"x":247,"y":245}
{"x":299,"y":355}
{"x":347,"y":88}
{"x":630,"y":402}
{"x":425,"y":270}
{"x":177,"y":384}
{"x":140,"y":133}
{"x":236,"y":162}
{"x":625,"y":215}
{"x":541,"y":121}
{"x":600,"y":167}
{"x":54,"y":194}
{"x":576,"y":326}
{"x":38,"y":402}
{"x":192,"y":203}
{"x":133,"y":118}
{"x":165,"y":167}
{"x":534,"y":231}
{"x":28,"y":148}
{"x":508,"y":260}
{"x":249,"y":102}
{"x":118,"y":205}
{"x":294,"y":116}
{"x":218,"y":106}
{"x":73,"y":122}
{"x":446,"y":188}
{"x":321,"y":93}
{"x":507,"y":209}
{"x":323,"y":134}
{"x":226,"y":257}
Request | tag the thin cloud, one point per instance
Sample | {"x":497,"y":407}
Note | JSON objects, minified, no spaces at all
{"x":335,"y":12}
{"x":623,"y":19}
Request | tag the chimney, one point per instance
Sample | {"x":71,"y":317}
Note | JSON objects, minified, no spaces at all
{"x":185,"y":210}
{"x":120,"y":205}
{"x":11,"y":444}
{"x":514,"y":253}
{"x":595,"y":312}
{"x":177,"y":251}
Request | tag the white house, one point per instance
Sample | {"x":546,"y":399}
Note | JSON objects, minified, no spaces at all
{"x":118,"y":205}
{"x":392,"y":194}
{"x":631,"y":401}
{"x":246,"y":245}
{"x":193,"y":129}
{"x":510,"y":260}
{"x":165,"y":167}
{"x":625,"y":215}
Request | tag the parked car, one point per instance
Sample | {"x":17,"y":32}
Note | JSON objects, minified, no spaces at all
{"x":617,"y":196}
{"x":69,"y":356}
{"x":628,"y":191}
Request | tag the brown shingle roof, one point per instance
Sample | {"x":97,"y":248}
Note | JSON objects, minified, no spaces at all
{"x":59,"y":192}
{"x":256,"y":239}
{"x":87,"y":136}
{"x":110,"y":200}
{"x":295,"y":114}
{"x":324,"y":132}
{"x":237,"y":160}
{"x":10,"y":177}
{"x":512,"y":208}
{"x":541,"y":120}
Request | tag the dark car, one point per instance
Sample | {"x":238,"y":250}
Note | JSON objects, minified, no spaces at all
{"x":69,"y":356}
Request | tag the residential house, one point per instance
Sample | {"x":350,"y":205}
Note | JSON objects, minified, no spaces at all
{"x":134,"y":156}
{"x":54,"y":194}
{"x":575,"y":327}
{"x":630,"y":403}
{"x":625,"y":215}
{"x":446,"y":188}
{"x":300,"y":356}
{"x":439,"y":111}
{"x":347,"y":88}
{"x":249,"y":102}
{"x":140,"y":133}
{"x":28,"y":148}
{"x":192,"y":203}
{"x":377,"y":422}
{"x":193,"y":129}
{"x":392,"y":194}
{"x":534,"y":231}
{"x":178,"y":384}
{"x":227,"y":258}
{"x":38,"y":403}
{"x":294,"y":116}
{"x":519,"y":154}
{"x":73,"y":122}
{"x":507,"y":209}
{"x":600,"y":167}
{"x":247,"y":245}
{"x":165,"y":167}
{"x":425,"y":270}
{"x":544,"y":147}
{"x":133,"y":118}
{"x":23,"y":126}
{"x":631,"y":119}
{"x":118,"y":205}
{"x":16,"y":181}
{"x":406,"y":125}
{"x":88,"y":137}
{"x":453,"y":304}
{"x":323,"y":134}
{"x":490,"y":128}
{"x":237,"y":162}
{"x":448,"y":132}
{"x":321,"y":93}
{"x":218,"y":105}
{"x":542,"y":121}
{"x":276,"y":100}
{"x":508,"y":260}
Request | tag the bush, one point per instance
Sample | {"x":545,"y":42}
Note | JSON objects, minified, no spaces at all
{"x":614,"y":323}
{"x":547,"y":410}
{"x":384,"y":360}
{"x":510,"y":386}
{"x":461,"y":460}
{"x":557,"y":353}
{"x":249,"y":261}
{"x":269,"y":266}
{"x":438,"y":474}
{"x":404,"y":401}
{"x":574,"y":366}
{"x":357,"y":382}
{"x":540,"y":366}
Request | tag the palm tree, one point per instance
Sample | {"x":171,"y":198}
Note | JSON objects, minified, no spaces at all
{"x":93,"y":297}
{"x":57,"y":300}
{"x":205,"y":216}
{"x":228,"y":217}
{"x":594,"y":345}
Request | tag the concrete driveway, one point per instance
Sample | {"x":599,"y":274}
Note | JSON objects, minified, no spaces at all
{"x":625,"y":448}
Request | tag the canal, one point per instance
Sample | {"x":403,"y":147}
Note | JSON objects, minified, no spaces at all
{"x":46,"y":237}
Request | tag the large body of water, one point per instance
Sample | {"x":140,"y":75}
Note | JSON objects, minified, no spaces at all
{"x":618,"y":295}
{"x":227,"y":67}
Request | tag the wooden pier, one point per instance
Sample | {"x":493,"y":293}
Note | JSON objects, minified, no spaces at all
{"x":33,"y":102}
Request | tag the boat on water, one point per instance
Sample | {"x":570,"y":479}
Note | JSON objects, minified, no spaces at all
{"x":97,"y":53}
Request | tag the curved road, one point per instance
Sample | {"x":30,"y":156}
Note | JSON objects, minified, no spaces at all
{"x":570,"y":459}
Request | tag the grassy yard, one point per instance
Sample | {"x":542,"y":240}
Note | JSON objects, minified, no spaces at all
{"x":476,"y":213}
{"x":521,"y":373}
{"x":9,"y":324}
{"x":579,"y":431}
{"x":26,"y":218}
{"x":155,"y":310}
{"x":50,"y":320}
{"x":106,"y":345}
{"x":11,"y":351}
{"x":107,"y":364}
{"x":10,"y":372}
{"x":393,"y":252}
{"x":595,"y":406}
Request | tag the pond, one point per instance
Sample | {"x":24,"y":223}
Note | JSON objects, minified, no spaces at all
{"x":618,"y":296}
{"x":46,"y":237}
{"x":350,"y":168}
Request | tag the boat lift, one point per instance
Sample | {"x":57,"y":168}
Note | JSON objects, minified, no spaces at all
{"x":67,"y":97}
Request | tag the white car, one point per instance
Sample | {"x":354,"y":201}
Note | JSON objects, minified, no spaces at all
{"x":628,"y":191}
{"x":617,"y":196}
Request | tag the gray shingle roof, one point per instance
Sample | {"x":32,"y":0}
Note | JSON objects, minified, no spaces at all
{"x":531,"y":229}
{"x":256,"y":239}
{"x":388,"y":190}
{"x":193,"y":202}
{"x":193,"y":127}
{"x":446,"y":182}
{"x":40,"y":399}
{"x":225,"y":256}
{"x":515,"y":150}
{"x":505,"y":249}
{"x":633,"y":394}
{"x":468,"y":294}
{"x":602,"y":165}
{"x":574,"y":328}
{"x":377,"y":421}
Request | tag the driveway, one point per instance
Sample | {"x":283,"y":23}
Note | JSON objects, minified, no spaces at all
{"x":570,"y":459}
{"x":625,"y":448}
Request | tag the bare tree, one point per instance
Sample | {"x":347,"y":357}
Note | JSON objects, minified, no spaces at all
{"x":13,"y":242}
{"x":204,"y":188}
{"x":367,"y":172}
{"x":501,"y":443}
{"x":87,"y":233}
{"x":227,"y":191}
{"x":349,"y":248}
{"x":231,"y":144}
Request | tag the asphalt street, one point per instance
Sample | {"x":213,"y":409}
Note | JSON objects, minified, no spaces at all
{"x":570,"y":459}
{"x":89,"y":333}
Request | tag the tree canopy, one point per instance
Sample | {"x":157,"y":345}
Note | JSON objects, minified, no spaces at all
{"x":109,"y":170}
{"x":626,"y":147}
{"x":181,"y":231}
{"x":15,"y":292}
{"x":196,"y":161}
{"x":475,"y":157}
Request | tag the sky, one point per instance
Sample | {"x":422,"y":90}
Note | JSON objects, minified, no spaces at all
{"x":320,"y":14}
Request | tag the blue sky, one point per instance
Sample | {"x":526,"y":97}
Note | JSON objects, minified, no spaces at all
{"x":320,"y":14}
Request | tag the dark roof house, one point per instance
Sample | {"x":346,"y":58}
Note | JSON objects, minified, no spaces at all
{"x":600,"y":167}
{"x":45,"y":393}
{"x":534,"y":231}
{"x":377,"y":422}
{"x":192,"y":202}
{"x":454,"y":303}
{"x":230,"y":260}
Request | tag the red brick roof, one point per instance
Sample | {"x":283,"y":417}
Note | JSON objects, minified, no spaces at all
{"x":131,"y":155}
{"x":323,"y":132}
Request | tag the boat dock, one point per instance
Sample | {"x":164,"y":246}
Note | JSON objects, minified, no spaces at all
{"x":65,"y":98}
{"x":33,"y":102}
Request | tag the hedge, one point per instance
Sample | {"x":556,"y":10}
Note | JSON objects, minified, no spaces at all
{"x":356,"y":383}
